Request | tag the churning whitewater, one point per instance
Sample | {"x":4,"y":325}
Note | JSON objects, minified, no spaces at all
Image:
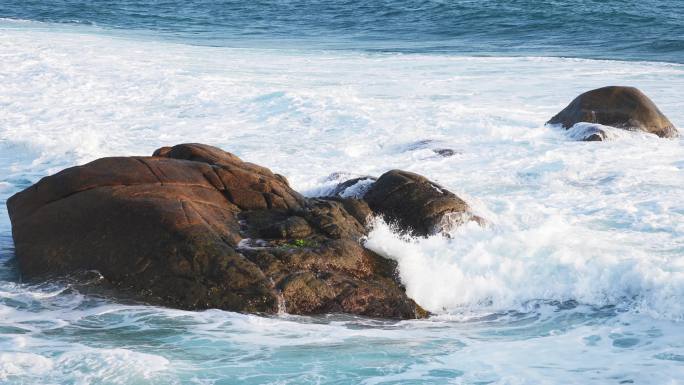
{"x":577,"y":278}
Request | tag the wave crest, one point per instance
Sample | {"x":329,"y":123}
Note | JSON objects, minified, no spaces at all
{"x":500,"y":268}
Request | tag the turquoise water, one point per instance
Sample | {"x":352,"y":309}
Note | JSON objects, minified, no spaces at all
{"x":578,"y":280}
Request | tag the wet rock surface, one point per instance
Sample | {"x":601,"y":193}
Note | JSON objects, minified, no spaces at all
{"x":416,"y":204}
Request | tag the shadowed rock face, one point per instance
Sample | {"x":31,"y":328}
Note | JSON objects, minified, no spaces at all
{"x":621,"y":107}
{"x":416,"y":204}
{"x":195,"y":227}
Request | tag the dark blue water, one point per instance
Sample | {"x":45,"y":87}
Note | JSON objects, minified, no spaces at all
{"x":612,"y":29}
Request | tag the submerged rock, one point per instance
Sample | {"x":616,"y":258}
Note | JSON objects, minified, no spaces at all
{"x":433,"y":146}
{"x":445,"y":152}
{"x":355,"y":188}
{"x":589,"y":132}
{"x":416,"y":204}
{"x":615,"y":106}
{"x":597,"y":136}
{"x":195,"y":227}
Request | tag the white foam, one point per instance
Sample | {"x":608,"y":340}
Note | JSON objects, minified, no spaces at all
{"x":90,"y":365}
{"x":23,"y":364}
{"x":502,"y":268}
{"x":580,"y":131}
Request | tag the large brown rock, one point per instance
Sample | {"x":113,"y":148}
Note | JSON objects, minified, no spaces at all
{"x":417,"y":205}
{"x":615,"y":106}
{"x":195,"y":227}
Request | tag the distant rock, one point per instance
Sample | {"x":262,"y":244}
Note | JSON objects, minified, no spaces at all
{"x":621,"y":107}
{"x":195,"y":227}
{"x":416,"y":204}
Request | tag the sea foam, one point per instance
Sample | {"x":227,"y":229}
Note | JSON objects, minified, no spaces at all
{"x":501,"y":268}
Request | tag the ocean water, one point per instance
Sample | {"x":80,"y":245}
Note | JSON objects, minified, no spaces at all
{"x":612,"y":29}
{"x":578,"y":279}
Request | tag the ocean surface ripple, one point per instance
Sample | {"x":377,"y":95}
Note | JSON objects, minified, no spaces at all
{"x":626,"y":30}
